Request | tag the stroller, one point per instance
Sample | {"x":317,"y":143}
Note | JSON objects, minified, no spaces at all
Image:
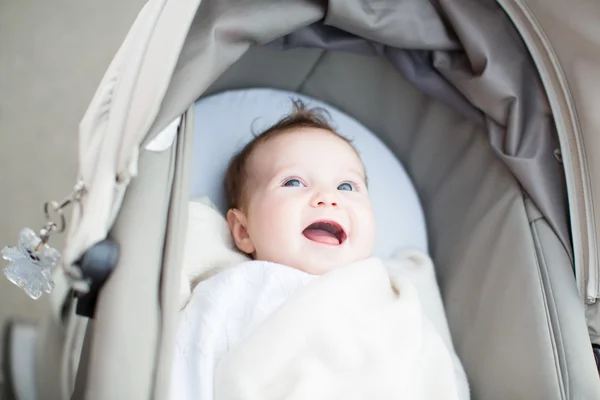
{"x":489,"y":105}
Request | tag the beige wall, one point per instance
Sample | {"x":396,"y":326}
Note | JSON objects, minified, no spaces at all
{"x":52,"y":56}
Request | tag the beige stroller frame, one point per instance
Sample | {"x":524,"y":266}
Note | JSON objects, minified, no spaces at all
{"x":489,"y":105}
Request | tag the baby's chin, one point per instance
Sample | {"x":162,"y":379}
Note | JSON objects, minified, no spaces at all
{"x":315,"y":261}
{"x":316,"y":266}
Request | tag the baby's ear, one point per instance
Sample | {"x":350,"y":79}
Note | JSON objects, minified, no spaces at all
{"x":238,"y":224}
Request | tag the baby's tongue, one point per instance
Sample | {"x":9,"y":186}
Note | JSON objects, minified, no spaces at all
{"x":321,"y":236}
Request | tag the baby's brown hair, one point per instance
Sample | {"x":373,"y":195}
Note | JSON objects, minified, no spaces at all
{"x":300,"y":117}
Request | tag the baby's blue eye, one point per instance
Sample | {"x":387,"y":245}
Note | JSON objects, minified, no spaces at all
{"x":293,"y":183}
{"x":346,"y":186}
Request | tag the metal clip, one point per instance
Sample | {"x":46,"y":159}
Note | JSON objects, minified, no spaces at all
{"x":53,"y":209}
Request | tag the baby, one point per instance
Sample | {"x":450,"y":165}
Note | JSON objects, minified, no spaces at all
{"x":297,"y":196}
{"x":310,"y":310}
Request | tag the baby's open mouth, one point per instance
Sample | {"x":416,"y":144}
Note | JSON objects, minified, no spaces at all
{"x":326,"y":232}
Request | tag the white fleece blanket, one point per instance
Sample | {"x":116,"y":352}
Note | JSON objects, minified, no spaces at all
{"x":266,"y":331}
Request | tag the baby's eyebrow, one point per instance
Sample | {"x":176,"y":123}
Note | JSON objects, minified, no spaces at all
{"x":361,"y":174}
{"x":285,"y":170}
{"x":279,"y":173}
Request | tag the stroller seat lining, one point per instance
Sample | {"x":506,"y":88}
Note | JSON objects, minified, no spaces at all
{"x":225,"y":122}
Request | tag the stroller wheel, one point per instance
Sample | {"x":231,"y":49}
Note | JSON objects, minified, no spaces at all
{"x":18,"y":364}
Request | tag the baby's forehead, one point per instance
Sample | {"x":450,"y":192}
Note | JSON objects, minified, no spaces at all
{"x":307,"y":148}
{"x":300,"y":141}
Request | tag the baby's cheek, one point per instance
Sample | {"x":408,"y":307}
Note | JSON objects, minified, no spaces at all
{"x":272,"y":221}
{"x":368,"y":230}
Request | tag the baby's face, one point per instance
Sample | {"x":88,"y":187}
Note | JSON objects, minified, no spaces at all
{"x":307,"y":206}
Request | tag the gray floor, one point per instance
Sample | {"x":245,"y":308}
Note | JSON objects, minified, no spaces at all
{"x":52,"y":57}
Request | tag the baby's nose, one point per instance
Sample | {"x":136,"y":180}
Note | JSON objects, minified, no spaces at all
{"x":324,"y":199}
{"x":327,"y":203}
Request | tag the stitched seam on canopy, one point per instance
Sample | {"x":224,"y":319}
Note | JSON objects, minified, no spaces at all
{"x":311,"y":72}
{"x":555,"y":334}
